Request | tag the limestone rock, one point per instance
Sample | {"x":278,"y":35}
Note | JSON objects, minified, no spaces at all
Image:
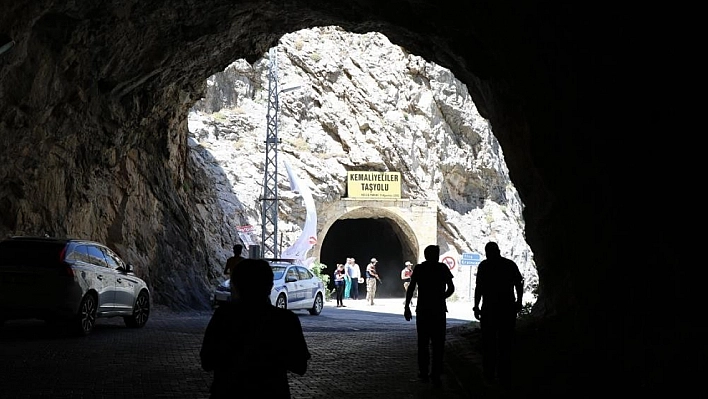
{"x":353,"y":87}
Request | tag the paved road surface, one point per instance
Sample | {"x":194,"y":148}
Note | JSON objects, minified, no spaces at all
{"x":372,"y":348}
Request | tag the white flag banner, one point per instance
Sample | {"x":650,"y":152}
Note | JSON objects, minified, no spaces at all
{"x":308,"y":238}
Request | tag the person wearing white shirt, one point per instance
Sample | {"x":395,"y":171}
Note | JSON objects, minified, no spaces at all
{"x":354,"y":272}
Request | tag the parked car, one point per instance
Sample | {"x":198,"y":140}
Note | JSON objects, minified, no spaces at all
{"x":70,"y":280}
{"x":294,"y":287}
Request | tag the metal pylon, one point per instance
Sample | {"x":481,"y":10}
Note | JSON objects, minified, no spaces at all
{"x":269,"y":200}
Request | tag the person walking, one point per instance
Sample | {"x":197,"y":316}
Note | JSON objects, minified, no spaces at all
{"x":339,"y":281}
{"x":371,"y":278}
{"x":497,"y":279}
{"x":235,"y":259}
{"x":406,"y":277}
{"x":238,"y":340}
{"x":434,"y":282}
{"x":354,"y":273}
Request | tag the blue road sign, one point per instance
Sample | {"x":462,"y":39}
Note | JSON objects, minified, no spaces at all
{"x":470,"y":259}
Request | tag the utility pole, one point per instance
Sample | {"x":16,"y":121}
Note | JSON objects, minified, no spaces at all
{"x":269,"y":200}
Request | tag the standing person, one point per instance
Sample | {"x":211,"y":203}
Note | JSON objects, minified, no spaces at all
{"x":371,"y":277}
{"x":339,"y":277}
{"x":232,"y":261}
{"x":497,"y":278}
{"x":406,"y":276}
{"x":434,"y":281}
{"x":347,"y":281}
{"x":354,"y":272}
{"x":238,"y":341}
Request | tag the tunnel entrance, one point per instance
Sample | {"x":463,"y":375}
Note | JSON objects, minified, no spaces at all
{"x":363,"y":239}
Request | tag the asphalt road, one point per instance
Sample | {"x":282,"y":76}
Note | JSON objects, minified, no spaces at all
{"x":370,"y":350}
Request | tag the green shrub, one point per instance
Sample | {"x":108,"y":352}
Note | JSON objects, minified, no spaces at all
{"x":317,"y":269}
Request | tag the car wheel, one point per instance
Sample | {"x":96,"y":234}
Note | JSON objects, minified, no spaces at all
{"x":281,"y":302}
{"x":317,"y":306}
{"x":86,"y":319}
{"x":141,"y":311}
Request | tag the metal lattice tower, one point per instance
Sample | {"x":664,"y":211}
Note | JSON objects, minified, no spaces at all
{"x":269,"y":200}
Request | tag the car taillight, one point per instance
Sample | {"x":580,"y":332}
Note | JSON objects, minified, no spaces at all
{"x":66,"y":269}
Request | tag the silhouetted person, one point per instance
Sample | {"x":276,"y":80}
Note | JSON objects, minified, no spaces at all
{"x":249,"y":344}
{"x":238,"y":248}
{"x":434,"y":281}
{"x":497,"y":278}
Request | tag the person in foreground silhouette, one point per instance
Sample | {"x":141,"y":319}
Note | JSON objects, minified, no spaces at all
{"x":497,"y":278}
{"x":434,"y":281}
{"x":249,"y":344}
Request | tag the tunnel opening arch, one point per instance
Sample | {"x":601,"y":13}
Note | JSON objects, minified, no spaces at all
{"x":365,"y":232}
{"x":400,"y":222}
{"x":466,"y":194}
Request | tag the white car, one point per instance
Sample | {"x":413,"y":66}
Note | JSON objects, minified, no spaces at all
{"x":56,"y":279}
{"x":295,"y":287}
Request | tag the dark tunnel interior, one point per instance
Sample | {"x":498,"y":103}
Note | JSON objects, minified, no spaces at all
{"x":363,"y":239}
{"x":94,"y":142}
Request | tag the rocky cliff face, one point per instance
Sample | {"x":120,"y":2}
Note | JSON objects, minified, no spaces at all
{"x":353,"y":87}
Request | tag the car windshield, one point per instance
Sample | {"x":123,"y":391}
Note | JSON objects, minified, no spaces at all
{"x":278,"y":272}
{"x":45,"y":254}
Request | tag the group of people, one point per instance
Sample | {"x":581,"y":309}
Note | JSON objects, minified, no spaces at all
{"x":347,"y":277}
{"x":497,"y":302}
{"x":237,"y":344}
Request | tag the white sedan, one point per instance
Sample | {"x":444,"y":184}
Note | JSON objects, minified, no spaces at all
{"x":294,"y":288}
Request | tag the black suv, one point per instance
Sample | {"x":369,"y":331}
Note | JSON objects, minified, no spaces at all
{"x":69,"y":280}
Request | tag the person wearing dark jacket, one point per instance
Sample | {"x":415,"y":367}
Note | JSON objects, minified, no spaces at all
{"x":497,"y":279}
{"x":339,"y":282}
{"x":249,"y":344}
{"x":434,"y":282}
